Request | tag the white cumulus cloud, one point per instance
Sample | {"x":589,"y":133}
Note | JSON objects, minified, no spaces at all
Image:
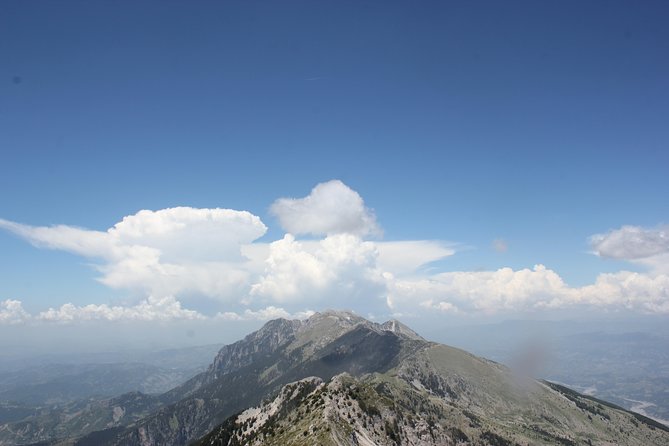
{"x":507,"y":290}
{"x":330,"y":208}
{"x":163,"y":252}
{"x":176,"y":253}
{"x":340,"y":266}
{"x":628,"y":290}
{"x":488,"y":291}
{"x":263,"y":314}
{"x":151,"y":309}
{"x":407,"y":256}
{"x":644,"y":246}
{"x":12,"y":312}
{"x":632,"y":242}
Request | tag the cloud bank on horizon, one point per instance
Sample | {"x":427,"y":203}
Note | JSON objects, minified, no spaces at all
{"x":172,"y":254}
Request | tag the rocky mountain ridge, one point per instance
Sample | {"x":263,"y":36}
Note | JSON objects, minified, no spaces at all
{"x":375,"y":411}
{"x":349,"y":377}
{"x":245,"y":372}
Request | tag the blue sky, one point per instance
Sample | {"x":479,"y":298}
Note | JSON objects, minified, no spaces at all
{"x":532,"y":123}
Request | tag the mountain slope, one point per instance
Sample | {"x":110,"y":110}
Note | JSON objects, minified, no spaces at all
{"x":280,"y":352}
{"x":50,"y":397}
{"x":383,"y":410}
{"x":78,"y":418}
{"x":366,"y":383}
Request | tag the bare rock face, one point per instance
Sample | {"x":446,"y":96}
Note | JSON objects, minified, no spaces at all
{"x":374,"y":410}
{"x":339,"y":379}
{"x":400,"y":329}
{"x":265,"y":341}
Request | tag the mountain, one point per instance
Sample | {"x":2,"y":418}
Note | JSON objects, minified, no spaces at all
{"x":377,"y":411}
{"x":281,"y":352}
{"x":339,"y":379}
{"x":78,"y":418}
{"x":436,"y":395}
{"x":622,"y":361}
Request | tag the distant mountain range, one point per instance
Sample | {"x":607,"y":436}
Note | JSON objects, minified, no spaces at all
{"x":338,"y":379}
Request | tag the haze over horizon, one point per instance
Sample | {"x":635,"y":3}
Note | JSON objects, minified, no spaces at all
{"x":183,"y":172}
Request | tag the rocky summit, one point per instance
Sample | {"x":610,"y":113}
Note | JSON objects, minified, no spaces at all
{"x":339,"y":379}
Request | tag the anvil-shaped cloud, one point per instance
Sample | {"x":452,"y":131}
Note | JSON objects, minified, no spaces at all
{"x":171,"y":254}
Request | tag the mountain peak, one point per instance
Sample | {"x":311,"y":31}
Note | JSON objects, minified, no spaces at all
{"x":343,"y":380}
{"x":346,"y":315}
{"x":336,"y":322}
{"x":399,"y":328}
